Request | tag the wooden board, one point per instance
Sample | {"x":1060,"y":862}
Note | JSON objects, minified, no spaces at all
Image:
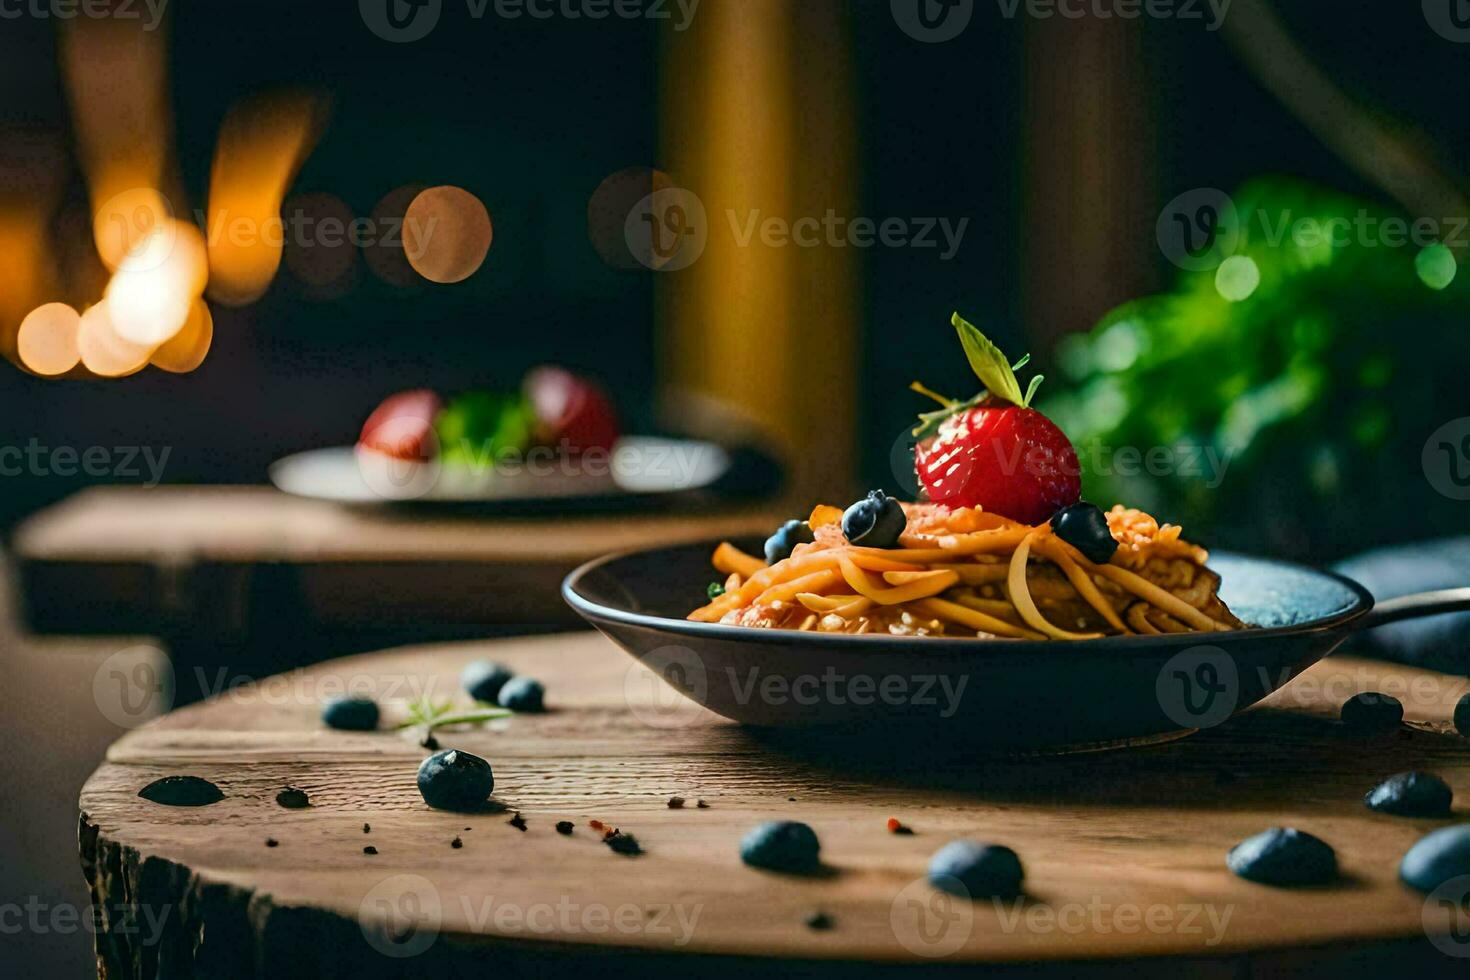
{"x":1124,"y":851}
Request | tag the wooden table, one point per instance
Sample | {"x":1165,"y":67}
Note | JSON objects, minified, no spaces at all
{"x":1124,"y":851}
{"x":248,"y":579}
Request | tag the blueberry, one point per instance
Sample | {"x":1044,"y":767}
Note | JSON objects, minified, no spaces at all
{"x":779,"y":545}
{"x":781,"y":845}
{"x":1462,"y":716}
{"x":876,"y":521}
{"x":973,"y":870}
{"x":351,"y":714}
{"x":1437,"y":858}
{"x":483,"y":679}
{"x":1411,"y":794}
{"x":455,"y":780}
{"x":1283,"y":856}
{"x":1085,"y":527}
{"x":181,"y":791}
{"x":523,"y":695}
{"x":1372,"y":712}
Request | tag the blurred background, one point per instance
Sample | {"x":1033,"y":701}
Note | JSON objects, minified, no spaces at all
{"x":1035,"y":171}
{"x":1229,"y":235}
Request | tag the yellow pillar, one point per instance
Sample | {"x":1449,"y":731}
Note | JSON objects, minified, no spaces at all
{"x":757,"y":122}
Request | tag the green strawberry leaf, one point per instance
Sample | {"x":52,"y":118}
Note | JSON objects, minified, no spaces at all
{"x":988,"y":363}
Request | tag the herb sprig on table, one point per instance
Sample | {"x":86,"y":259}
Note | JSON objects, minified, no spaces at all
{"x":429,"y":715}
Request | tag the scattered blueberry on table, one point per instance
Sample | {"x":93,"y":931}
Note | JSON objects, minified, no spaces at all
{"x":1437,"y":858}
{"x":781,"y":845}
{"x":1372,"y":712}
{"x":181,"y":791}
{"x":876,"y":521}
{"x":620,"y":843}
{"x":455,"y":780}
{"x":1085,"y":527}
{"x":293,"y":799}
{"x":819,"y":921}
{"x":351,"y":714}
{"x":483,"y":680}
{"x":1411,"y":794}
{"x":970,"y":869}
{"x":780,"y":545}
{"x":1283,"y":856}
{"x":523,"y":696}
{"x":1462,"y":716}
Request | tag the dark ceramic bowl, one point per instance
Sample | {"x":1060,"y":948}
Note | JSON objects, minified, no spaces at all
{"x":990,"y":693}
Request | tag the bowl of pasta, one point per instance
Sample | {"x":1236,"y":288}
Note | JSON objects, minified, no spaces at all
{"x":1001,"y":608}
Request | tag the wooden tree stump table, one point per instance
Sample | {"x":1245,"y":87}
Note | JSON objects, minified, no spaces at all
{"x":1124,"y":851}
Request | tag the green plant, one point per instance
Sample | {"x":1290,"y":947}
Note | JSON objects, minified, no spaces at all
{"x":1286,"y":393}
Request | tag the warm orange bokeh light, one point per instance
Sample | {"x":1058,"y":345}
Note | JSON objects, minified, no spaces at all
{"x":148,"y":299}
{"x":446,"y":234}
{"x":47,"y":342}
{"x":188,"y":348}
{"x":126,"y":222}
{"x":262,"y":144}
{"x":103,"y":352}
{"x":117,"y":81}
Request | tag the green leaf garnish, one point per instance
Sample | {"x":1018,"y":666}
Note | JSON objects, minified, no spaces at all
{"x":998,"y":374}
{"x":715,"y":590}
{"x":442,"y":714}
{"x":988,"y":363}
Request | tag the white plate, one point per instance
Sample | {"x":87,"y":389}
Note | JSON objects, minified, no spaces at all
{"x":637,"y":466}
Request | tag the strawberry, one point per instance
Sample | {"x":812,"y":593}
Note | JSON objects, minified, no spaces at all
{"x":995,"y":452}
{"x":571,"y":410}
{"x":403,"y":426}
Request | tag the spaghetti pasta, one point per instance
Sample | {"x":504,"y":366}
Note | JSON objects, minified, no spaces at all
{"x":962,"y":572}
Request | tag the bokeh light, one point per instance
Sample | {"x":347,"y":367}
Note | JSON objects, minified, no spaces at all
{"x":262,"y":145}
{"x":126,"y":221}
{"x":608,"y":210}
{"x":446,"y":234}
{"x":47,"y":342}
{"x":385,"y":253}
{"x":1237,"y":278}
{"x":188,"y":348}
{"x":322,"y":250}
{"x":1436,"y":266}
{"x":103,"y":351}
{"x":149,"y":297}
